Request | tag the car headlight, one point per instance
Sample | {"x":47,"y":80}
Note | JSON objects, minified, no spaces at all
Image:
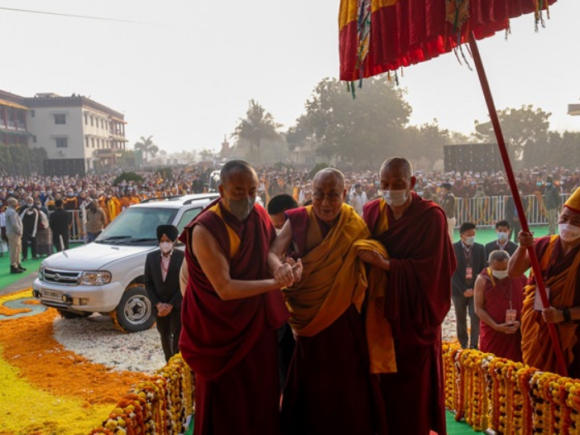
{"x":41,"y":273}
{"x":95,"y":278}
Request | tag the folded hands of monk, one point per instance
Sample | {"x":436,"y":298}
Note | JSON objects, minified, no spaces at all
{"x":289,"y":272}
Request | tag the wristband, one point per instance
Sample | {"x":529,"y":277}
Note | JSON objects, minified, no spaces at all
{"x":567,"y":316}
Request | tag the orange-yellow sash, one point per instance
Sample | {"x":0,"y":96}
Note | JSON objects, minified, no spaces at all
{"x":334,"y":278}
{"x":536,"y":342}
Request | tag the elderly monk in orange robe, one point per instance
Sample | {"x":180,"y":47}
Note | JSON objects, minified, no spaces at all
{"x":340,"y":339}
{"x":231,"y":311}
{"x":559,"y":258}
{"x":418,"y":296}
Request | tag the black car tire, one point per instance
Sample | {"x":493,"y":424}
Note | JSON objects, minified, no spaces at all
{"x":135,"y":311}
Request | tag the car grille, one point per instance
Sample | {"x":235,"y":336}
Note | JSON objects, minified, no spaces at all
{"x":61,"y":277}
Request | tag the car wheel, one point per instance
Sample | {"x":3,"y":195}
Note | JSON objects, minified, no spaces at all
{"x":135,"y":311}
{"x":70,"y":315}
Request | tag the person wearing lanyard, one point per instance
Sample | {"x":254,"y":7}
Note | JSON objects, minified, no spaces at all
{"x":162,"y":282}
{"x":503,"y":242}
{"x":470,"y":262}
{"x":498,"y":304}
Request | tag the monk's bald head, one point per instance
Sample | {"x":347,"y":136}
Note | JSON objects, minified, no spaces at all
{"x":329,"y":175}
{"x":397,"y":181}
{"x":329,"y":194}
{"x":399,"y":164}
{"x":235,"y":166}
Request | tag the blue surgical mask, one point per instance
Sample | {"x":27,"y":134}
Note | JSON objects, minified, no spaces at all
{"x":548,"y":184}
{"x":502,"y":236}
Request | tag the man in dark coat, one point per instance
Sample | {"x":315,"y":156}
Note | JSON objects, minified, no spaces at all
{"x":162,"y":282}
{"x":503,"y":242}
{"x":59,"y":222}
{"x":470,"y":262}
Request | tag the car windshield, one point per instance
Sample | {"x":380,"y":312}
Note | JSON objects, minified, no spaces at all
{"x":136,"y":226}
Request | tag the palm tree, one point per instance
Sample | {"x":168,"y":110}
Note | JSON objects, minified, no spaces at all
{"x":147,"y":146}
{"x":259,"y":125}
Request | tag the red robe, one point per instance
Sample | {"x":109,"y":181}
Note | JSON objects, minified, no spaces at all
{"x":496,"y":303}
{"x":232,"y":345}
{"x":418,"y":297}
{"x":329,"y":388}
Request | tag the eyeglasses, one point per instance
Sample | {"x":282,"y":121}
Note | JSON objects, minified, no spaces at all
{"x":332,"y":197}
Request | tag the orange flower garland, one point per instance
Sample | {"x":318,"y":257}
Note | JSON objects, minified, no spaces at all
{"x":508,"y":397}
{"x":160,"y":405}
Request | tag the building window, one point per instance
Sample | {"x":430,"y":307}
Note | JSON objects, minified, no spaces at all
{"x":91,"y":121}
{"x":87,"y":142}
{"x":32,"y":114}
{"x":60,"y":119}
{"x":33,"y":139}
{"x":86,"y":119}
{"x":62,"y":142}
{"x":92,"y":142}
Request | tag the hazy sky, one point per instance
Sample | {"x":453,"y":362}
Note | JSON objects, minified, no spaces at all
{"x":186,"y":75}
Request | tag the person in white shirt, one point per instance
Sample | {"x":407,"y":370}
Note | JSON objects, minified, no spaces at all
{"x":358,"y":198}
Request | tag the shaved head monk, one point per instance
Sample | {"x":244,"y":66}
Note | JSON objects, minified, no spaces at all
{"x":418,"y":296}
{"x":231,"y":311}
{"x":330,"y":389}
{"x":559,"y":258}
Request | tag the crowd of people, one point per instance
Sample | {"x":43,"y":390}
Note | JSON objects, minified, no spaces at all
{"x":329,"y":301}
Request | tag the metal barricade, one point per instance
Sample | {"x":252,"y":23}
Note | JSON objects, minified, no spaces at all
{"x":78,"y":227}
{"x":487,"y":210}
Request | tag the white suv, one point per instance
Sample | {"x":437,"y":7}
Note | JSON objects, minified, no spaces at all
{"x":106,"y":276}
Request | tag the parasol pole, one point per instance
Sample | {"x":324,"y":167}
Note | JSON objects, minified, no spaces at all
{"x":517,"y":200}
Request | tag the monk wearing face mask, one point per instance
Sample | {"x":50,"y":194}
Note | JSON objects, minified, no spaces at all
{"x":498,"y":304}
{"x":559,"y":258}
{"x":232,"y":310}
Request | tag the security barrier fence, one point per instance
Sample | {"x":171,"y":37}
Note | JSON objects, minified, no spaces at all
{"x":487,"y":210}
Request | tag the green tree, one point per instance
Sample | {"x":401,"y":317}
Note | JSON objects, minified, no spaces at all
{"x":146,"y":145}
{"x":257,"y":127}
{"x":559,"y":149}
{"x":363,"y":130}
{"x":521,"y":128}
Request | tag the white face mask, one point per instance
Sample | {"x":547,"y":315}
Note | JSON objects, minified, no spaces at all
{"x":569,"y":233}
{"x":395,"y":198}
{"x":165,"y":247}
{"x":500,"y":274}
{"x":469,"y":240}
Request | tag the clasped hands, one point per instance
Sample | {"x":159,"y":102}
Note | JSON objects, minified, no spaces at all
{"x":163,"y":309}
{"x":289,"y":272}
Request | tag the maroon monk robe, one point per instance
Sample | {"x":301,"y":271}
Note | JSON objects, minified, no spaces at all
{"x":418,"y":297}
{"x":559,"y":263}
{"x":232,"y":345}
{"x":497,"y":302}
{"x":329,"y":388}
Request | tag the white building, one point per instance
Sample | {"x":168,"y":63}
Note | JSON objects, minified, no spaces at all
{"x":77,"y":133}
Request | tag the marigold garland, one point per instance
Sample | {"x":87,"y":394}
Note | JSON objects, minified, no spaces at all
{"x":508,"y":397}
{"x":160,"y":405}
